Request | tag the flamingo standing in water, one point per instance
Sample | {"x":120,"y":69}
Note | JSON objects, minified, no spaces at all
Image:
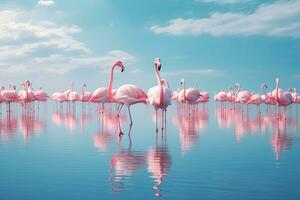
{"x":296,"y":98}
{"x":241,"y":96}
{"x":85,"y":95}
{"x":189,"y":96}
{"x":41,"y":95}
{"x":256,"y":99}
{"x":127,"y":94}
{"x":159,"y":96}
{"x":283,"y":98}
{"x":10,"y":96}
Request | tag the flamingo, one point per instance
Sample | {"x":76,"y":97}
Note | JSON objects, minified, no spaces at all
{"x":85,"y":95}
{"x":189,"y":96}
{"x":204,"y":96}
{"x":41,"y":95}
{"x":296,"y":98}
{"x":159,"y":96}
{"x":256,"y":99}
{"x":221,"y":96}
{"x":10,"y":95}
{"x":282,"y":98}
{"x":242,"y":96}
{"x":127,"y":94}
{"x":267,"y":97}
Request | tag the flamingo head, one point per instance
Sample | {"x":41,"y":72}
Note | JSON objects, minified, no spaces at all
{"x":120,"y":64}
{"x":182,"y":81}
{"x":277,"y":80}
{"x":84,"y":85}
{"x":157,"y":63}
{"x":264,"y":85}
{"x":2,"y":88}
{"x":237,"y":85}
{"x":14,"y":87}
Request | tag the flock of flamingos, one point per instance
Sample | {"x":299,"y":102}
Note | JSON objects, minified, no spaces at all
{"x":159,"y":96}
{"x":189,"y":119}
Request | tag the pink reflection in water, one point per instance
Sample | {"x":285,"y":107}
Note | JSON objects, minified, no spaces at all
{"x":278,"y":123}
{"x":159,"y":164}
{"x":124,"y":163}
{"x":30,"y":123}
{"x":190,"y":122}
{"x":108,"y":127}
{"x":70,"y":119}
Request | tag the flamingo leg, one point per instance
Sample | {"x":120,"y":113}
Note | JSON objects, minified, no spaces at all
{"x":156,"y":121}
{"x":162,"y":120}
{"x":130,"y":115}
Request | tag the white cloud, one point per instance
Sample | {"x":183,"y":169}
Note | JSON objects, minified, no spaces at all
{"x":28,"y":45}
{"x":46,"y":2}
{"x":224,"y":1}
{"x":281,"y":18}
{"x":206,"y":71}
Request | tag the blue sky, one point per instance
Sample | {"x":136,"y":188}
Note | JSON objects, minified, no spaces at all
{"x":212,"y":42}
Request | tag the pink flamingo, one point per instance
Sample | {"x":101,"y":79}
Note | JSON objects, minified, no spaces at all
{"x":189,"y":96}
{"x":221,"y":96}
{"x":256,"y":99}
{"x":296,"y":98}
{"x":26,"y":95}
{"x":41,"y":95}
{"x":204,"y":96}
{"x":127,"y":94}
{"x":282,"y":98}
{"x":267,"y":97}
{"x":85,"y":95}
{"x":159,"y":96}
{"x":230,"y":95}
{"x":10,"y":96}
{"x":68,"y":91}
{"x":174,"y":96}
{"x":241,"y":96}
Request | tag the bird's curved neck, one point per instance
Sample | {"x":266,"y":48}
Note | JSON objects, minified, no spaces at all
{"x":82,"y":89}
{"x":111,"y":79}
{"x":295,"y":95}
{"x":158,"y":79}
{"x":263,"y":89}
{"x":238,"y":90}
{"x":277,"y":85}
{"x":184,"y":89}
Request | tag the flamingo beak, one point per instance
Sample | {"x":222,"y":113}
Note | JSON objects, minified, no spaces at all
{"x":122,"y":70}
{"x":159,"y":67}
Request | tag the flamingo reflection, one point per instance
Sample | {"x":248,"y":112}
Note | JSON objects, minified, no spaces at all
{"x":278,"y":124}
{"x":30,"y":123}
{"x":190,"y":123}
{"x":159,"y":164}
{"x":8,"y":126}
{"x":125,"y":163}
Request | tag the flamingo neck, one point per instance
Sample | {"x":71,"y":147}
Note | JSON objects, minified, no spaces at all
{"x":238,"y":90}
{"x":111,"y":78}
{"x":184,"y":90}
{"x":277,"y":85}
{"x":263,"y":89}
{"x":26,"y":90}
{"x":82,"y":90}
{"x":158,"y":79}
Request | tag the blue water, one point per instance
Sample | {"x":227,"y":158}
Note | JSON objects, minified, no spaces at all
{"x":210,"y":152}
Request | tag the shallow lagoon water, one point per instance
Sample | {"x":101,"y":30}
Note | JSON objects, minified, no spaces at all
{"x":210,"y":153}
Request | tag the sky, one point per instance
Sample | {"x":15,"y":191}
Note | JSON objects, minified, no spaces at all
{"x":214,"y":43}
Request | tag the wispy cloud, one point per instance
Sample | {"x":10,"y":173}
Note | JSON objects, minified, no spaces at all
{"x":207,"y":72}
{"x":46,"y":2}
{"x":297,"y":76}
{"x":223,"y":1}
{"x":28,"y":45}
{"x":281,"y":18}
